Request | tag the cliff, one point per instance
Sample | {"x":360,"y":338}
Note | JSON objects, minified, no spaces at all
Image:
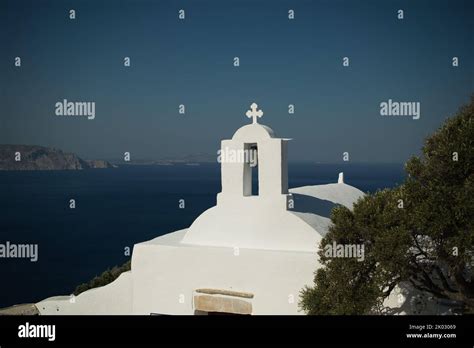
{"x":33,"y":157}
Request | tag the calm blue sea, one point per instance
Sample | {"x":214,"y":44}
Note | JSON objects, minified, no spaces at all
{"x":116,"y":208}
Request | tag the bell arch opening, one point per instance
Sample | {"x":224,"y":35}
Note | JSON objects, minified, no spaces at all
{"x":251,"y":170}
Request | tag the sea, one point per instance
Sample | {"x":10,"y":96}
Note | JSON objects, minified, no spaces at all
{"x":116,"y":208}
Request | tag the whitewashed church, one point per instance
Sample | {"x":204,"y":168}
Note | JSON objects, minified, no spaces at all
{"x":249,"y":254}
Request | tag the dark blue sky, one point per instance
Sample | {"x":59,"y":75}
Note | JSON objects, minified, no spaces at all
{"x":191,"y":62}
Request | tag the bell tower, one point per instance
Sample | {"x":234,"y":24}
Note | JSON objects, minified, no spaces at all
{"x":254,"y":147}
{"x":241,"y":218}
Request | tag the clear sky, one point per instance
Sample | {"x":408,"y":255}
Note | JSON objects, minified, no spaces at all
{"x":190,"y":62}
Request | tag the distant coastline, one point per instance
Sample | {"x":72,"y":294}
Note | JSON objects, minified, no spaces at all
{"x":194,"y":159}
{"x":34,"y":157}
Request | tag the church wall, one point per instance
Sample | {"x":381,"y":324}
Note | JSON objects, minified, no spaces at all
{"x":113,"y":299}
{"x":166,"y":277}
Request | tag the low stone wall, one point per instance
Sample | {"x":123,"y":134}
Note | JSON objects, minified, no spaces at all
{"x":21,"y":309}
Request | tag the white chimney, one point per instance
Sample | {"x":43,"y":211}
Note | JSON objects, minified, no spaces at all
{"x":340,"y":180}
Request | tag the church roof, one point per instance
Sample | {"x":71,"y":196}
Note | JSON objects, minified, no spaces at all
{"x":313,"y":204}
{"x":312,"y":207}
{"x":339,"y":193}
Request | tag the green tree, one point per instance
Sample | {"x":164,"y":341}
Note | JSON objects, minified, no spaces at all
{"x":421,"y":232}
{"x":107,"y":277}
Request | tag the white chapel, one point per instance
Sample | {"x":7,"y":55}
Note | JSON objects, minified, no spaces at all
{"x":249,"y":254}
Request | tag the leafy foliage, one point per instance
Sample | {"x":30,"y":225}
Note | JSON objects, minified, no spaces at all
{"x":421,"y":231}
{"x":105,"y":278}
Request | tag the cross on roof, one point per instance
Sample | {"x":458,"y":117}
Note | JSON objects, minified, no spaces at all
{"x":253,"y":113}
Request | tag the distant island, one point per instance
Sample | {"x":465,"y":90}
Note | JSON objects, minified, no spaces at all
{"x":34,"y":157}
{"x":190,"y":160}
